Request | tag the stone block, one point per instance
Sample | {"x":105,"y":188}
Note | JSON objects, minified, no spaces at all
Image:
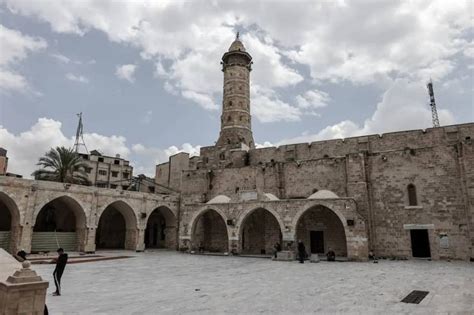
{"x":285,"y":256}
{"x":314,"y":258}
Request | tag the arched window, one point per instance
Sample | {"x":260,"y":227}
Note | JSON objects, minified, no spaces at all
{"x":412,"y":201}
{"x":230,"y":103}
{"x":228,"y":118}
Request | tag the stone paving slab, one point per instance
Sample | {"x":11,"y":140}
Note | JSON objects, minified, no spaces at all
{"x":176,"y":283}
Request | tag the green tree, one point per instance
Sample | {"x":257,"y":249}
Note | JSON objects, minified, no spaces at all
{"x":63,"y":165}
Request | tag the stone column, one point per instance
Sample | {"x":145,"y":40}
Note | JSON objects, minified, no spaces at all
{"x":90,"y":245}
{"x":234,"y":247}
{"x":26,"y":235}
{"x":140,"y":245}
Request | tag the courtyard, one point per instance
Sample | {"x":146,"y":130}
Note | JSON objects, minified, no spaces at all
{"x":168,"y":282}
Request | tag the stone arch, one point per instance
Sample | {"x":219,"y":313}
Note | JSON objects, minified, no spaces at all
{"x":259,"y":229}
{"x":9,"y":223}
{"x":117,"y":226}
{"x":209,"y":231}
{"x":59,"y":222}
{"x":322,"y":228}
{"x":161,"y":229}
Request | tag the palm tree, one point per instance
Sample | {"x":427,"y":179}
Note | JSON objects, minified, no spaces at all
{"x":62,"y":165}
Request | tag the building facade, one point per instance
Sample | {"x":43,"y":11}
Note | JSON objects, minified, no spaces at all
{"x":402,"y":194}
{"x":106,"y":171}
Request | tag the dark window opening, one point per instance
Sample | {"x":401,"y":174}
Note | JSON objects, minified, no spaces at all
{"x":117,"y":162}
{"x":103,"y":172}
{"x":412,"y":200}
{"x":101,"y":159}
{"x":125,"y":175}
{"x":114,"y":174}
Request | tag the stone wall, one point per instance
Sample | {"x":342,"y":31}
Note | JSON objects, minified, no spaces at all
{"x":25,"y":199}
{"x":372,"y":170}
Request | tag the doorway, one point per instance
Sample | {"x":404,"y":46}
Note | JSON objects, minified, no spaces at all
{"x":317,"y":242}
{"x":420,"y":243}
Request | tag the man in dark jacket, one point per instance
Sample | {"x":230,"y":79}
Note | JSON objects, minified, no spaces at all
{"x":301,"y":251}
{"x":61,"y":262}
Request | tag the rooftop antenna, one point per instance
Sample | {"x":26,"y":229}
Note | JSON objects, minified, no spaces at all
{"x":434,"y":111}
{"x":79,"y":135}
{"x":237,"y":35}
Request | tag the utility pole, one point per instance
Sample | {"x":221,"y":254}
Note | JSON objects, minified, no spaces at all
{"x":434,"y":111}
{"x":79,"y":136}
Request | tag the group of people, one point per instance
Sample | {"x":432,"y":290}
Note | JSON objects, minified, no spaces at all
{"x":302,"y":254}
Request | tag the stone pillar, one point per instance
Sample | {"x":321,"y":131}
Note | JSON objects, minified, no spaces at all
{"x":140,"y":245}
{"x":24,"y":292}
{"x":90,"y":245}
{"x":25,"y":238}
{"x":234,"y":246}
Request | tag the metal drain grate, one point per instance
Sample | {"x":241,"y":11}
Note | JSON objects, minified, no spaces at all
{"x":415,"y":297}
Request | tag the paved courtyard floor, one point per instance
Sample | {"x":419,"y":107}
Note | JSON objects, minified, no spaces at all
{"x":173,"y":283}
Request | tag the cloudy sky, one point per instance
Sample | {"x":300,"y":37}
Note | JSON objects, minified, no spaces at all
{"x":148,"y":79}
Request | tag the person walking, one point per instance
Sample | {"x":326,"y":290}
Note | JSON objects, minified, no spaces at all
{"x":61,"y":262}
{"x":301,"y":252}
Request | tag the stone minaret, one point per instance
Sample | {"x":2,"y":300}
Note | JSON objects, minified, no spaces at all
{"x":235,"y":119}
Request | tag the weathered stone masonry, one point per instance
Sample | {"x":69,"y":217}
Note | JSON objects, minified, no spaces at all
{"x":402,"y":194}
{"x":24,"y":202}
{"x":362,"y":181}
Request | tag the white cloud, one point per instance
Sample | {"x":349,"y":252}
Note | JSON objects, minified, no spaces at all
{"x":364,"y":42}
{"x":25,"y":148}
{"x":313,"y":99}
{"x":186,"y":147}
{"x":61,"y":58}
{"x":77,"y":78}
{"x":267,"y":106}
{"x":11,"y":81}
{"x":126,"y":72}
{"x":403,"y":107}
{"x":269,"y":71}
{"x":265,"y":144}
{"x":203,"y":99}
{"x":15,"y":47}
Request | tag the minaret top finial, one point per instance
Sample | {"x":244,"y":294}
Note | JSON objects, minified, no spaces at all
{"x":237,"y":35}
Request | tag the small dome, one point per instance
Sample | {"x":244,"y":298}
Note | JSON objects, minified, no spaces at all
{"x":219,"y":199}
{"x":237,"y":46}
{"x":323,"y":194}
{"x":270,"y":196}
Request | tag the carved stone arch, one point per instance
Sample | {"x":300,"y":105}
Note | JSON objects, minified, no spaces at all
{"x":76,"y":205}
{"x":249,"y":211}
{"x":117,"y":226}
{"x":9,"y":223}
{"x":259,"y":229}
{"x":161,"y":228}
{"x":59,"y":220}
{"x":209,"y":230}
{"x":354,"y":235}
